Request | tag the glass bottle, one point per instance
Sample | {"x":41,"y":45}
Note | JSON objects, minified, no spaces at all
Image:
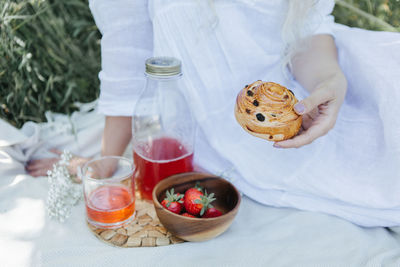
{"x":163,"y":128}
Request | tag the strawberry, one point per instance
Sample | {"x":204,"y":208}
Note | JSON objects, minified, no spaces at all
{"x":196,"y":203}
{"x":173,"y":202}
{"x":211,"y":213}
{"x":191,"y":195}
{"x":188,"y":215}
{"x":174,"y":207}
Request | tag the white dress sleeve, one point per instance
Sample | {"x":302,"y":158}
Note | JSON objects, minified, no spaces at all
{"x":127,"y":40}
{"x":321,"y":21}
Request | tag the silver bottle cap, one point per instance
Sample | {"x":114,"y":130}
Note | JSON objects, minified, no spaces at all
{"x":163,"y":66}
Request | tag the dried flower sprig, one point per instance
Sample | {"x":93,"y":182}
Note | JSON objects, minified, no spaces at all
{"x":63,"y":193}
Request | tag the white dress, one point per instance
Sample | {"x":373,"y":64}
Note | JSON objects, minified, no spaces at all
{"x":353,"y":172}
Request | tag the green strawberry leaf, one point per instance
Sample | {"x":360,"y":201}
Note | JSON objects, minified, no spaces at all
{"x":203,"y":209}
{"x":198,"y":186}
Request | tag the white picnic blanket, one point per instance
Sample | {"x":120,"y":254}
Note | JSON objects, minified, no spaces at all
{"x":259,"y":236}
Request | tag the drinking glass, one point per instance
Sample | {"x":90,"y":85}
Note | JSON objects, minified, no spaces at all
{"x":109,"y":191}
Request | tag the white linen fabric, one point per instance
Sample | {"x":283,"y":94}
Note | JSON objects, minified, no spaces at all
{"x":259,"y":236}
{"x":123,"y":52}
{"x":352,"y":172}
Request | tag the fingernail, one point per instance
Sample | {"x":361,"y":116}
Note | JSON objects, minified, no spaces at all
{"x":276,"y":145}
{"x":299,"y":108}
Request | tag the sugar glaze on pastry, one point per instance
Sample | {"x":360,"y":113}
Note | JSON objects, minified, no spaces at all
{"x":265,"y":110}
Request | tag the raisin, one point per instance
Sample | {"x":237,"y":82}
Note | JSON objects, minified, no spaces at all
{"x":273,"y":115}
{"x":255,"y":103}
{"x":246,"y":86}
{"x":250,"y":93}
{"x":270,"y":137}
{"x":260,"y":117}
{"x":248,"y":111}
{"x":286,"y":97}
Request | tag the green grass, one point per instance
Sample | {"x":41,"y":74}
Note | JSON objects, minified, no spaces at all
{"x":369,"y":14}
{"x":50,"y":51}
{"x":49,"y":58}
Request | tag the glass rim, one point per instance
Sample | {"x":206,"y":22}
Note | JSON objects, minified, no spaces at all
{"x":119,"y":158}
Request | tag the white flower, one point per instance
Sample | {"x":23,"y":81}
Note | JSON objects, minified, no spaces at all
{"x":63,"y":193}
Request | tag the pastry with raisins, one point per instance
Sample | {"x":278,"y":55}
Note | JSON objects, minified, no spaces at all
{"x":265,"y":110}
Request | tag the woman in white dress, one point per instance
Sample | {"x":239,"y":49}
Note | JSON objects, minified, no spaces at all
{"x":348,"y":159}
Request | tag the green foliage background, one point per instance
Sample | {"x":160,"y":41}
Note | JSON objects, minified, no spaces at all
{"x":50,"y":51}
{"x":49,"y":58}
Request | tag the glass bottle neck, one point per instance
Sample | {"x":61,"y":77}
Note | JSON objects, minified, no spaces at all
{"x":161,"y":85}
{"x":162,"y":78}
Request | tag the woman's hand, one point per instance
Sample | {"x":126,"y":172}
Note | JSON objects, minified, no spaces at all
{"x":116,"y":136}
{"x":315,"y":66}
{"x":39,"y":167}
{"x":319,"y":111}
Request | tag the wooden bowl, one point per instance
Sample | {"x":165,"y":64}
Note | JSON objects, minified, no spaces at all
{"x":198,"y":229}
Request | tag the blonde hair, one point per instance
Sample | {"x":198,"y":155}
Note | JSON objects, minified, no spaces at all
{"x":295,"y":30}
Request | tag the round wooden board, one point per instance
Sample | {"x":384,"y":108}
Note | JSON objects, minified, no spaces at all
{"x":145,"y":230}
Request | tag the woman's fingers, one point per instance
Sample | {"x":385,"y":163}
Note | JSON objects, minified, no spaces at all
{"x":75,"y":162}
{"x":318,"y":97}
{"x":308,"y":120}
{"x":317,"y":129}
{"x":34,"y":164}
{"x":38,"y":173}
{"x":304,"y":138}
{"x":40,"y":167}
{"x":39,"y":163}
{"x":319,"y":112}
{"x":56,"y":151}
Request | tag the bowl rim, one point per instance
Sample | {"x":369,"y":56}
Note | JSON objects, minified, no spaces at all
{"x":205,"y":175}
